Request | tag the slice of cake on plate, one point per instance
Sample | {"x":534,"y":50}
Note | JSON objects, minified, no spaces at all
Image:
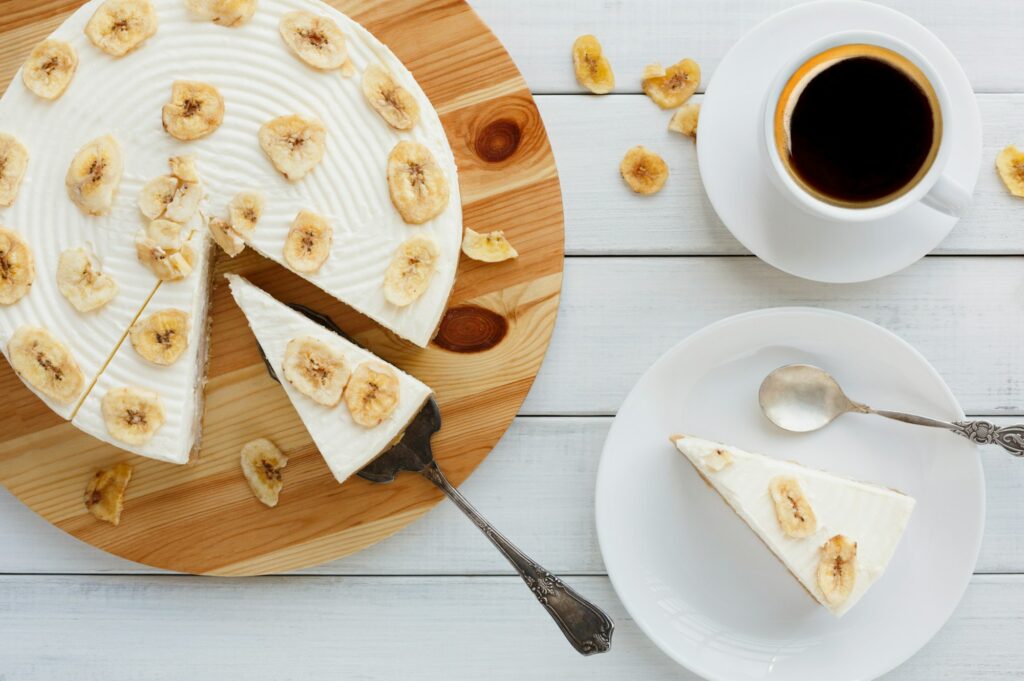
{"x":835,"y":535}
{"x":352,"y":403}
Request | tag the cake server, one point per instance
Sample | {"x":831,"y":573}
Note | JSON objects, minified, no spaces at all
{"x":587,"y":627}
{"x":802,"y":398}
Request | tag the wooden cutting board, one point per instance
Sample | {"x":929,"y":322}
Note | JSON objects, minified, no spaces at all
{"x":202,"y":518}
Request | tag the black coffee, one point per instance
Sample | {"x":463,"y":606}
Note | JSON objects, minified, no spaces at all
{"x":862,"y":130}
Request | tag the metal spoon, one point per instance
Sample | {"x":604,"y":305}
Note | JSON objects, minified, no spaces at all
{"x":802,"y":398}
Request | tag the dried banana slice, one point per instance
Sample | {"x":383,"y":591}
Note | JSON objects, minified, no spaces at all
{"x":717,"y":460}
{"x":132,"y":415}
{"x":684,"y":120}
{"x":226,"y":237}
{"x":49,"y":68}
{"x":17,"y":267}
{"x":592,"y":68}
{"x":295,"y":145}
{"x":837,"y":569}
{"x":394,"y":103}
{"x":162,"y":337}
{"x":419,"y":188}
{"x":317,"y":369}
{"x":411,"y":268}
{"x":80,"y":280}
{"x":670,"y":88}
{"x":184,"y":168}
{"x":314,"y":39}
{"x":13,"y":164}
{"x":246,"y":209}
{"x":230,"y":13}
{"x":308,"y":243}
{"x":792,"y":508}
{"x":156,"y":195}
{"x":490,"y":247}
{"x":104,"y":496}
{"x":372,"y":394}
{"x":120,"y":26}
{"x":166,"y":234}
{"x":261,"y":463}
{"x":195,"y":110}
{"x":185,"y":203}
{"x":168,"y":263}
{"x":644,"y":171}
{"x":94,"y":175}
{"x":1010,"y":164}
{"x":46,"y":364}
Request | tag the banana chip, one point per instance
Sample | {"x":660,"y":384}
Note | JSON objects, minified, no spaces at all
{"x":262,"y":462}
{"x":195,"y":110}
{"x":17,"y":267}
{"x":837,"y":569}
{"x":592,"y":68}
{"x":104,"y":496}
{"x":132,"y":415}
{"x":13,"y":164}
{"x":644,"y":171}
{"x":49,"y":68}
{"x":684,"y":120}
{"x":120,"y":26}
{"x":46,"y":364}
{"x":670,"y":88}
{"x":1010,"y":164}
{"x":490,"y":247}
{"x":394,"y":103}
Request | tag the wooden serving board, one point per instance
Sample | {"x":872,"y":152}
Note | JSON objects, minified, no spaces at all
{"x":202,"y":518}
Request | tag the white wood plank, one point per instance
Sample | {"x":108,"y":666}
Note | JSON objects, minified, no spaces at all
{"x":537,"y":487}
{"x":985,"y":36}
{"x":432,"y":629}
{"x":618,"y":315}
{"x":603,"y":217}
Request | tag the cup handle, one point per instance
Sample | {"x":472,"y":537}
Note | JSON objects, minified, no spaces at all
{"x":949,"y":197}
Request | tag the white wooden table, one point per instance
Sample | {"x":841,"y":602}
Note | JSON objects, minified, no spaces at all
{"x":437,"y":602}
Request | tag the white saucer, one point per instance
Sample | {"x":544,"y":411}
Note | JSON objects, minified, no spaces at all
{"x":766,"y":222}
{"x":696,"y":579}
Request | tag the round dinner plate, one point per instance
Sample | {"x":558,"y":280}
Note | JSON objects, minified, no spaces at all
{"x":698,"y":581}
{"x":735,"y":172}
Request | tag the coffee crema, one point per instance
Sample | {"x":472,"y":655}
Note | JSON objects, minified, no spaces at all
{"x":858,"y":125}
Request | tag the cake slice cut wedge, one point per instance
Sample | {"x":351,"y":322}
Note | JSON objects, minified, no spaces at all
{"x":834,"y":534}
{"x":354,"y":404}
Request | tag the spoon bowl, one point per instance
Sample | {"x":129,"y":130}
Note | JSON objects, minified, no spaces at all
{"x":802,"y":398}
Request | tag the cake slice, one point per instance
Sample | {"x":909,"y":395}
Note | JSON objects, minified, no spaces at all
{"x":163,"y":359}
{"x":353,"y":403}
{"x":835,"y":535}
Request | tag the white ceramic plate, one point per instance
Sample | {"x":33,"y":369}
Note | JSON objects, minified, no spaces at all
{"x":699,"y":582}
{"x":736,"y":180}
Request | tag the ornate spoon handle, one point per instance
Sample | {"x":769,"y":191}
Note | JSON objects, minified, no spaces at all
{"x":588,"y":629}
{"x":1010,"y":438}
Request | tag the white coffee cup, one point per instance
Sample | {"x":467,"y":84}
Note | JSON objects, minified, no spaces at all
{"x":934,"y":188}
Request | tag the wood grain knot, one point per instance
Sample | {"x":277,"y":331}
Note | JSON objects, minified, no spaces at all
{"x":470,"y":328}
{"x":498,"y":140}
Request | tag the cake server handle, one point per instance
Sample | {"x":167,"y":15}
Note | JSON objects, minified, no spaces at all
{"x":1010,"y":438}
{"x":588,"y":629}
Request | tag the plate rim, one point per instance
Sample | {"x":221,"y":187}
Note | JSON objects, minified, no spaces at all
{"x":708,"y":330}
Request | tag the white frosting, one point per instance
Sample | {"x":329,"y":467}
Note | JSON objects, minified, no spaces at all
{"x":874,"y":517}
{"x":179,"y":385}
{"x":345,"y":445}
{"x":260,"y":79}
